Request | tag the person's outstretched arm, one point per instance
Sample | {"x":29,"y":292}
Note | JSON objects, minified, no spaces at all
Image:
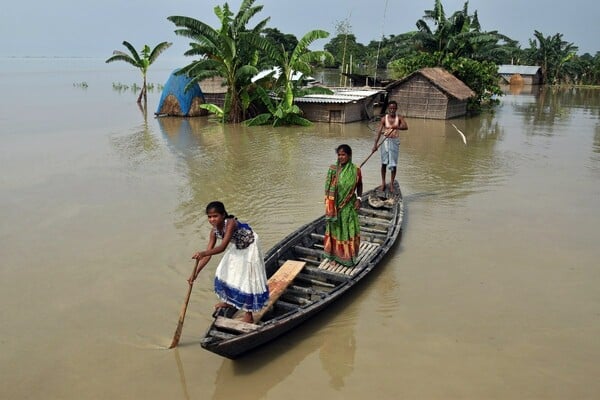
{"x":229,"y":229}
{"x":202,"y":259}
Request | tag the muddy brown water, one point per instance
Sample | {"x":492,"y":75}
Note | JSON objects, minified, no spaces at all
{"x":492,"y":291}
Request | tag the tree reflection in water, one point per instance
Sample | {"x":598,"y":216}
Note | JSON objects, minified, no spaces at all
{"x":139,"y":146}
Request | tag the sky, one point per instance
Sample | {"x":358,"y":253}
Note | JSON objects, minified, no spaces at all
{"x":84,"y":28}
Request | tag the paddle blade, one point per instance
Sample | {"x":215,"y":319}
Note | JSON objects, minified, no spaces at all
{"x":177,"y":335}
{"x":179,"y":328}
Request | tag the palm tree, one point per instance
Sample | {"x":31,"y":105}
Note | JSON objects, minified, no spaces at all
{"x":225,"y":52}
{"x":143,"y":63}
{"x":292,"y":67}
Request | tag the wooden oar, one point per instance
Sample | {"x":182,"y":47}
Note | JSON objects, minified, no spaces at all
{"x":373,"y":152}
{"x":177,"y":335}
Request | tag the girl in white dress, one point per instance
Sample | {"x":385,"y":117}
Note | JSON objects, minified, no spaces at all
{"x":240,"y":279}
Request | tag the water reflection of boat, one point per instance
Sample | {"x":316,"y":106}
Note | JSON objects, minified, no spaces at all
{"x":335,"y":345}
{"x":302,"y":282}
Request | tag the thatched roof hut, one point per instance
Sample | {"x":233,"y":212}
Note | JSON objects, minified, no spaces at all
{"x":214,"y":90}
{"x":430,"y":93}
{"x":175,"y":100}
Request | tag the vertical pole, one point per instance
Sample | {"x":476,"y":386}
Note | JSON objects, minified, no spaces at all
{"x":379,"y":46}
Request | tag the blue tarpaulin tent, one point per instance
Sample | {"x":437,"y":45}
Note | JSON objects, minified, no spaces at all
{"x":176,"y":101}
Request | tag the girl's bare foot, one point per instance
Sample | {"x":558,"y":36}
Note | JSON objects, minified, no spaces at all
{"x":248,"y":317}
{"x":381,"y":188}
{"x":223,"y":305}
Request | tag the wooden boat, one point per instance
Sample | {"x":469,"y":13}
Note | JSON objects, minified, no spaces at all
{"x":302,"y":282}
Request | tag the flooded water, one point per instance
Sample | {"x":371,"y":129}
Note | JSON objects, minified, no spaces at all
{"x":492,"y":291}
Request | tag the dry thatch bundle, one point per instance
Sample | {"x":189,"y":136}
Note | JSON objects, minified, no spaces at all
{"x":181,"y":99}
{"x":516,"y":79}
{"x":172,"y":107}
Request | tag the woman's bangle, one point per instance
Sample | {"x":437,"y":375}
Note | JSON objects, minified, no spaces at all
{"x":358,"y":198}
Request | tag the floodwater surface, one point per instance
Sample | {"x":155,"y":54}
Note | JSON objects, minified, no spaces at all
{"x":492,"y":291}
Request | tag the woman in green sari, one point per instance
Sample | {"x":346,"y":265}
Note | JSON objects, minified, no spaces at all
{"x":343,"y":188}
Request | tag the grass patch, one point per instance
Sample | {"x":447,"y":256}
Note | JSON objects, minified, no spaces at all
{"x":134,"y":87}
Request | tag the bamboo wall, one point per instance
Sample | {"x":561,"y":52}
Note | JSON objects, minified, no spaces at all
{"x":215,"y":98}
{"x":214,"y":91}
{"x":418,"y":98}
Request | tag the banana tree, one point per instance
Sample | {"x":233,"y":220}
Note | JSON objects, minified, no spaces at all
{"x":459,"y":34}
{"x":292,"y":67}
{"x":142,"y":62}
{"x":552,"y":55}
{"x":225,"y":52}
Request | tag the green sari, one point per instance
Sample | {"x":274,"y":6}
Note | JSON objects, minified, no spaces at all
{"x":342,"y":229}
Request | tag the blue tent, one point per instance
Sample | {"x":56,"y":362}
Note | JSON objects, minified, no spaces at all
{"x":176,"y":101}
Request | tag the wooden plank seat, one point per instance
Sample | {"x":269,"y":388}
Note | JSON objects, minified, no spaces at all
{"x":277,"y":284}
{"x":234,"y":325}
{"x":376,"y":213}
{"x":364,"y":250}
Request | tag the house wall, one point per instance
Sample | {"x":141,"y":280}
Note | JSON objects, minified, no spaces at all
{"x":418,"y":98}
{"x":215,"y":98}
{"x":456,"y":108}
{"x":354,"y":111}
{"x":332,"y":112}
{"x":533,"y":79}
{"x":214,"y":90}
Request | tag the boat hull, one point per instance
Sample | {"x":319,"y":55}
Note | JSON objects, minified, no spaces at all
{"x":319,"y":283}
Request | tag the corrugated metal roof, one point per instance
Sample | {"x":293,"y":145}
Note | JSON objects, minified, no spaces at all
{"x":338,"y":97}
{"x":508,"y":69}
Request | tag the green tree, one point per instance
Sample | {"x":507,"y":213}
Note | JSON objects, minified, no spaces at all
{"x":460,"y":34}
{"x":480,"y":76}
{"x":225,"y":52}
{"x":292,"y":67}
{"x":552,"y":54}
{"x":390,"y":48}
{"x":276,"y":38}
{"x":349,"y":54}
{"x":588,"y":69}
{"x":142,"y":62}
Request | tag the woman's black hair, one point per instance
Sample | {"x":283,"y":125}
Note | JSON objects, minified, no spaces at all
{"x":347,"y":149}
{"x":219,"y":208}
